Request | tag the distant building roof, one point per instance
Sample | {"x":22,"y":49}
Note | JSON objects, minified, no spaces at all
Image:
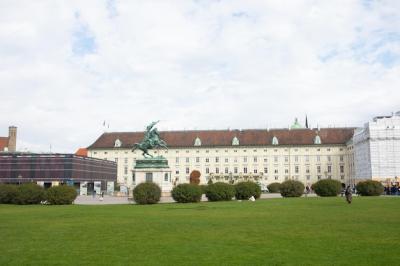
{"x":82,"y":152}
{"x":249,"y":137}
{"x":3,"y":143}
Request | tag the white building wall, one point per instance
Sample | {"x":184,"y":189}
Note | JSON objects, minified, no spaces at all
{"x":377,"y":149}
{"x":270,"y":163}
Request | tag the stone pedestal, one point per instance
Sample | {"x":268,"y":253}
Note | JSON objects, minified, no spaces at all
{"x":153,"y":170}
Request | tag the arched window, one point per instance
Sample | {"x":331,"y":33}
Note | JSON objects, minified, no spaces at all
{"x":197,"y":142}
{"x":275,"y":141}
{"x":117,"y":143}
{"x":235,"y":141}
{"x":317,"y":140}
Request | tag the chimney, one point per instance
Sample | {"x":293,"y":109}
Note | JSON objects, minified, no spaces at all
{"x":12,"y":139}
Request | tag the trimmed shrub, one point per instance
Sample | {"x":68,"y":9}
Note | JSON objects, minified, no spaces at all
{"x":291,"y":188}
{"x":184,"y":193}
{"x":8,"y":193}
{"x":203,"y":188}
{"x":61,"y":195}
{"x":244,"y":190}
{"x":147,"y":193}
{"x":274,"y":187}
{"x":327,"y":188}
{"x":369,"y":188}
{"x":220,"y":191}
{"x":29,"y":193}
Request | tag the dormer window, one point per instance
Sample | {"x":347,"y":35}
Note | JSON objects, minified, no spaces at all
{"x":197,"y":142}
{"x":117,"y":143}
{"x":275,"y":141}
{"x":317,"y":140}
{"x":235,"y":141}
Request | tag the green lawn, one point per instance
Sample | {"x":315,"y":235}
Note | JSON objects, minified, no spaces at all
{"x":306,"y":231}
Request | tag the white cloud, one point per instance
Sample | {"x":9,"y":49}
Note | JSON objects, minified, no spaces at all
{"x":67,"y":67}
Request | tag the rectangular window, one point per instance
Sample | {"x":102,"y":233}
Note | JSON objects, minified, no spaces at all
{"x":265,"y":160}
{"x":319,"y":177}
{"x":149,"y":177}
{"x":296,"y":169}
{"x":187,"y":170}
{"x":226,"y":160}
{"x":245,"y":170}
{"x":235,"y":160}
{"x":318,"y":169}
{"x":245,"y":159}
{"x":217,"y":170}
{"x":342,"y":177}
{"x":187,"y":159}
{"x":307,"y":170}
{"x":342,"y":169}
{"x":286,"y":159}
{"x":197,"y":159}
{"x":255,"y":159}
{"x":126,"y":160}
{"x":341,"y":158}
{"x":329,"y":158}
{"x":207,"y":160}
{"x":276,"y":159}
{"x":217,"y":159}
{"x":329,"y":169}
{"x":207,"y":170}
{"x":276,"y":177}
{"x":235,"y":170}
{"x":226,"y":170}
{"x":266,"y":170}
{"x":286,"y":171}
{"x":276,"y":171}
{"x":318,"y":158}
{"x":255,"y":171}
{"x":125,"y":170}
{"x":166,"y":177}
{"x":177,"y":172}
{"x":307,"y":158}
{"x":177,"y":160}
{"x":308,"y":177}
{"x":296,"y":158}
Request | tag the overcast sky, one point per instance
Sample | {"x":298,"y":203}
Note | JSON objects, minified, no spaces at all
{"x":68,"y":66}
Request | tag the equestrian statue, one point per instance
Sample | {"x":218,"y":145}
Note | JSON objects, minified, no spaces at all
{"x":150,"y":141}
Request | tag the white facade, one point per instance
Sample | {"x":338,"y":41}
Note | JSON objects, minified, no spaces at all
{"x":377,"y":149}
{"x":265,"y":164}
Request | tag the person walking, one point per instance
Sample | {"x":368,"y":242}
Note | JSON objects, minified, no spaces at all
{"x":348,"y":194}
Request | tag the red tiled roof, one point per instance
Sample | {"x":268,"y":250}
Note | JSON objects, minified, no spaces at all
{"x":249,"y":137}
{"x":82,"y":152}
{"x":3,"y":143}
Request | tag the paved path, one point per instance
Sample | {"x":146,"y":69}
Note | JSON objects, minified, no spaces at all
{"x":107,"y":200}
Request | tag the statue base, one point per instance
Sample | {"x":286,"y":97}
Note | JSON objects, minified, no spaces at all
{"x":155,"y":170}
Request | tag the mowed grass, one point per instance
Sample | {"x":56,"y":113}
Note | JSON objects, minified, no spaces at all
{"x":297,"y":231}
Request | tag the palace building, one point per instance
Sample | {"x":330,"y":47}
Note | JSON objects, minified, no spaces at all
{"x":262,"y":155}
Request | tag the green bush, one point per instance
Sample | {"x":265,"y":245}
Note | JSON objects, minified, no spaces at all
{"x":8,"y":193}
{"x":274,"y":187}
{"x":291,"y":188}
{"x":369,"y":188}
{"x":184,"y":193}
{"x":203,"y":188}
{"x":244,"y":190}
{"x":29,"y":193}
{"x":147,"y":193}
{"x":327,"y":187}
{"x":61,"y":195}
{"x":220,"y":191}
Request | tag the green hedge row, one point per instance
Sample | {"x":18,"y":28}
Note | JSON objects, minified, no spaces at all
{"x":31,"y":193}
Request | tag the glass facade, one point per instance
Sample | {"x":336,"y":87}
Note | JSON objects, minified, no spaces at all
{"x":20,"y":167}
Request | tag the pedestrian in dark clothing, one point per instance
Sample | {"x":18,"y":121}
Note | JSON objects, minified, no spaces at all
{"x":348,"y":193}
